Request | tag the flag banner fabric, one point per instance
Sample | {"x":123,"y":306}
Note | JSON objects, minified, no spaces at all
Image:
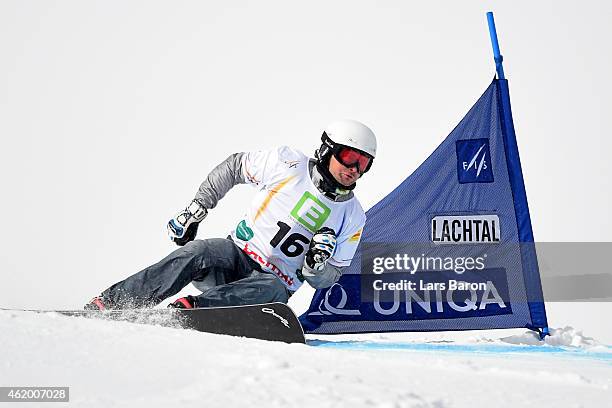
{"x":451,"y":248}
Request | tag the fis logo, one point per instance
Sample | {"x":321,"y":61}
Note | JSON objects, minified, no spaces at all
{"x":474,"y":161}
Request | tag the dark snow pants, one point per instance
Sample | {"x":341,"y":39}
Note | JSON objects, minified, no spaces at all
{"x":237,"y":279}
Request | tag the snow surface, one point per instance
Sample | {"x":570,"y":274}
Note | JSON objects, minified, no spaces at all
{"x":119,"y":364}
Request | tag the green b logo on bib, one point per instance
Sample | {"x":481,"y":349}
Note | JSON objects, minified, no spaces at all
{"x":310,"y":212}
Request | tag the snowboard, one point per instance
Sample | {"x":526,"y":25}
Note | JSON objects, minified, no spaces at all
{"x":267,"y":321}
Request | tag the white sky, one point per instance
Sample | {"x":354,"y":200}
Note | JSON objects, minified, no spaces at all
{"x":113,"y":112}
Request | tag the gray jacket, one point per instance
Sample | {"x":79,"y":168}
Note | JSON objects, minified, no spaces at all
{"x":228,"y":174}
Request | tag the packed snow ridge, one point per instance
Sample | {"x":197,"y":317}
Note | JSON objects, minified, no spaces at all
{"x":564,"y":337}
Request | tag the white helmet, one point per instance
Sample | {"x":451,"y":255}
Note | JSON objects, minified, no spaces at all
{"x":353,"y":134}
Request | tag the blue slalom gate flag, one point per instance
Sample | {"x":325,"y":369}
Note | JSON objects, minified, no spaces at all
{"x":451,"y":248}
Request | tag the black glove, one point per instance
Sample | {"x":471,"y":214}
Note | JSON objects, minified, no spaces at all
{"x":321,"y":248}
{"x":184,"y":226}
{"x":190,"y":235}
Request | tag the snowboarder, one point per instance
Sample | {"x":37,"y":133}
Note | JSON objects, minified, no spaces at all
{"x":303,"y":224}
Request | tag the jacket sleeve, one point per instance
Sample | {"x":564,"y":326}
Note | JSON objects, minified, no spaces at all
{"x":220,"y":180}
{"x":324,"y":278}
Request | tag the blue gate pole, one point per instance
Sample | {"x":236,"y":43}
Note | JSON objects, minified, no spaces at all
{"x":528,"y":256}
{"x":496,"y":54}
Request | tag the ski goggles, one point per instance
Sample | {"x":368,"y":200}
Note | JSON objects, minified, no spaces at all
{"x":350,"y":157}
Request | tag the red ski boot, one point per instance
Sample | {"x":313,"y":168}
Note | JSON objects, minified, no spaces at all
{"x":96,"y":303}
{"x":187,"y":302}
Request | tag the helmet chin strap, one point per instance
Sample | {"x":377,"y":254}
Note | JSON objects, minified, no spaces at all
{"x":326,"y":183}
